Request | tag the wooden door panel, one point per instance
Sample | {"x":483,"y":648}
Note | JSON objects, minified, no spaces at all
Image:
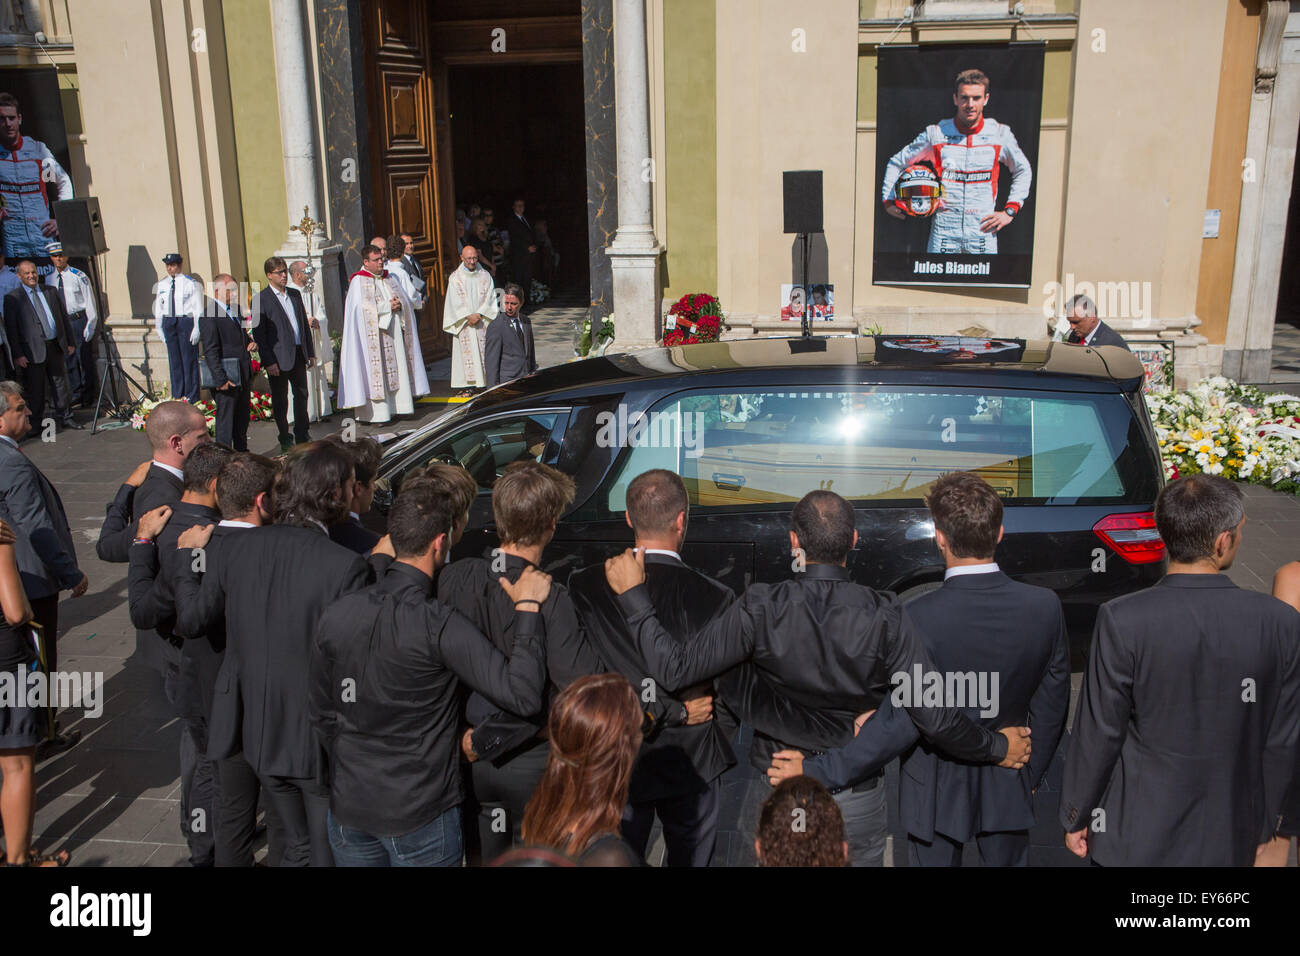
{"x":406,"y":174}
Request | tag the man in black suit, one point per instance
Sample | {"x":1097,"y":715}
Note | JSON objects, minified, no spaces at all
{"x":283,"y":335}
{"x":820,"y":643}
{"x":523,"y":247}
{"x":412,"y":262}
{"x":174,"y":429}
{"x":1086,"y":328}
{"x":190,"y":676}
{"x":508,"y":752}
{"x":1004,"y":644}
{"x":678,"y":773}
{"x":1185,"y":737}
{"x":272,"y":599}
{"x":348,"y":531}
{"x":226,"y":348}
{"x":508,"y":351}
{"x":40,"y":340}
{"x":395,"y":788}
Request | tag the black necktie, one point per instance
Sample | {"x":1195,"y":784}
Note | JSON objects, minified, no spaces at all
{"x":171,"y":299}
{"x":60,"y":284}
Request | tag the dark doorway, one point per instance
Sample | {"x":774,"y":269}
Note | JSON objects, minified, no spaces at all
{"x":1288,"y":292}
{"x":519,"y":130}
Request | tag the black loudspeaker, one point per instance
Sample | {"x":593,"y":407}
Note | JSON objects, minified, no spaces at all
{"x":80,"y":229}
{"x":803,"y":200}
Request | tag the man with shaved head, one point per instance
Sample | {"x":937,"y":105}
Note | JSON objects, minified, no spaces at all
{"x":174,"y":428}
{"x":226,"y":344}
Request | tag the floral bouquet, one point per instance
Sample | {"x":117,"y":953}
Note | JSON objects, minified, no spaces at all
{"x":1218,"y":427}
{"x":259,"y":407}
{"x":697,"y":317}
{"x":605,"y":336}
{"x":539,"y":293}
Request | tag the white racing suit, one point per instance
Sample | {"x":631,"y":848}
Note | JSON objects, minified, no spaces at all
{"x":967,"y":164}
{"x":29,"y":178}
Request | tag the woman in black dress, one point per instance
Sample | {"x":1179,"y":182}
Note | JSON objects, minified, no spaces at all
{"x":21,"y":726}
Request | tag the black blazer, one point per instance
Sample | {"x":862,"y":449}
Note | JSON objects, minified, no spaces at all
{"x":986,"y":624}
{"x":152,"y":603}
{"x":274,"y":334}
{"x":354,"y":536}
{"x":224,"y":338}
{"x":25,"y":330}
{"x":506,"y":354}
{"x":677,"y":759}
{"x":818,"y":642}
{"x":1186,"y":731}
{"x":272,"y":599}
{"x":1105,"y":335}
{"x":160,"y":487}
{"x":521,"y":237}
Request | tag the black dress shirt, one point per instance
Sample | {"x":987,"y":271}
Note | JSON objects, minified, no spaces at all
{"x":470,"y":586}
{"x":819,"y":642}
{"x":392,"y":734}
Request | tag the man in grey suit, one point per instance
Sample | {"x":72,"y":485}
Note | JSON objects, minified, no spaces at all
{"x":508,"y":351}
{"x":41,"y":341}
{"x":47,"y":559}
{"x":1185,"y":736}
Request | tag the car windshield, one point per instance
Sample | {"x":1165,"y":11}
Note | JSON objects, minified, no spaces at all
{"x":890,"y":444}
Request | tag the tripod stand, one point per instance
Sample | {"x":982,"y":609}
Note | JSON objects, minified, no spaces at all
{"x":110,"y":381}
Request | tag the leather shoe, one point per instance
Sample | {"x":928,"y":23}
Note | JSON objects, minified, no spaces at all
{"x":73,"y":423}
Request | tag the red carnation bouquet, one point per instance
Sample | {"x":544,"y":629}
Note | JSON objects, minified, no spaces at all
{"x":698,"y":318}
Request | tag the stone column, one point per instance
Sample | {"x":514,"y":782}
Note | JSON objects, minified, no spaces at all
{"x":295,"y":88}
{"x":634,"y":253}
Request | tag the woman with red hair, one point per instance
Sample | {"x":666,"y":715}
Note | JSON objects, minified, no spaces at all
{"x":595,"y":731}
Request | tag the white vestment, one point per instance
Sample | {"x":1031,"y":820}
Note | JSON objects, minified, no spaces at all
{"x":397,"y":269}
{"x":381,"y":370}
{"x":318,"y":380}
{"x":467,"y":293}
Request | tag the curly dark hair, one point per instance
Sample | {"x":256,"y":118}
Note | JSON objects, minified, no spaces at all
{"x":801,"y":825}
{"x":312,"y":485}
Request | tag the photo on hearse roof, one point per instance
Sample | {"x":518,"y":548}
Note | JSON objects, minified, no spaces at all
{"x":885,"y":443}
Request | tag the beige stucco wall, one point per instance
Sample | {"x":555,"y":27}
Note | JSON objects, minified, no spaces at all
{"x":776,"y":110}
{"x":159,"y":145}
{"x":1139,"y":166}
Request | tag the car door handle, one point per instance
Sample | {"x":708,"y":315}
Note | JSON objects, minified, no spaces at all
{"x":730,"y":482}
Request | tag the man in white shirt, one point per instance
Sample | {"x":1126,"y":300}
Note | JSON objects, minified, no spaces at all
{"x":177,"y":305}
{"x":79,"y":301}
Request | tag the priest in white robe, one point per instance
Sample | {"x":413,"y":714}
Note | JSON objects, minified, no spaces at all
{"x":471,"y":305}
{"x":381,"y":369}
{"x":318,"y":378}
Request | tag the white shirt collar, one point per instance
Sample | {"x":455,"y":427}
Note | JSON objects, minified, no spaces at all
{"x":354,"y":516}
{"x":671,"y":554}
{"x":235,"y":524}
{"x":9,"y":440}
{"x":971,"y":569}
{"x":175,"y":471}
{"x":320,"y":525}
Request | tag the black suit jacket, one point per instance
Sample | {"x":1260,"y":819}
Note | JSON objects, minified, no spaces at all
{"x":470,"y":586}
{"x":1105,"y":335}
{"x":274,"y":334}
{"x":224,"y":338}
{"x":521,"y":237}
{"x":986,"y":625}
{"x":25,"y":330}
{"x":819,"y":642}
{"x":160,"y":487}
{"x":152,"y":602}
{"x":272,"y":598}
{"x":1186,"y":731}
{"x":677,"y":759}
{"x":354,"y":536}
{"x":508,"y":355}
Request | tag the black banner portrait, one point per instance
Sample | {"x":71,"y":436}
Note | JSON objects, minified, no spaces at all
{"x":956,"y":164}
{"x":33,"y":163}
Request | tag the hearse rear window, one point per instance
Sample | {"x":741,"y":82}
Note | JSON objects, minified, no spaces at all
{"x":890,"y":444}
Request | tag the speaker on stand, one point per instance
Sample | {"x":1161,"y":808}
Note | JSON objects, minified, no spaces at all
{"x":81,"y":231}
{"x":802,"y":201}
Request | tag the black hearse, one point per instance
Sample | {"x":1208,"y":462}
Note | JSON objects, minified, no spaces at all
{"x":1060,"y":431}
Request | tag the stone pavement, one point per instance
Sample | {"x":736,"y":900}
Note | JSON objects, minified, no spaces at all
{"x":113,"y":799}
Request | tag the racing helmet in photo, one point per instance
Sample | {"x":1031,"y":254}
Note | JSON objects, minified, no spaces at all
{"x":919,"y":190}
